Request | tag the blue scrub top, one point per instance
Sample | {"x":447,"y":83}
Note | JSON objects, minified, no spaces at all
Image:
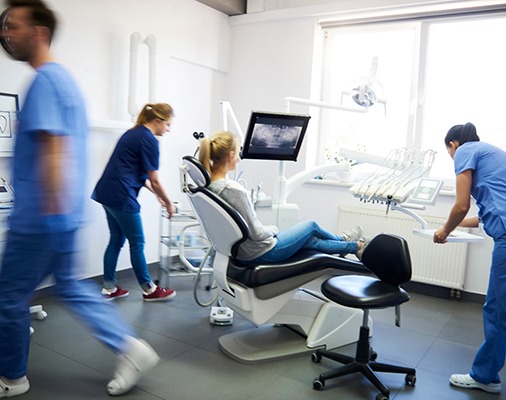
{"x":488,"y":164}
{"x":136,"y":152}
{"x":53,"y":104}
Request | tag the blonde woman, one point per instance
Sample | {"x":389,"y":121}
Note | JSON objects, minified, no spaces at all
{"x":133,"y":165}
{"x":265,"y":243}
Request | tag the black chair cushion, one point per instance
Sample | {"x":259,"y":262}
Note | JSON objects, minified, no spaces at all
{"x":363,"y":292}
{"x":387,"y":256}
{"x":254,"y":275}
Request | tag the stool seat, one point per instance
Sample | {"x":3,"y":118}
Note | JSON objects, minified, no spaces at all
{"x":363,"y":292}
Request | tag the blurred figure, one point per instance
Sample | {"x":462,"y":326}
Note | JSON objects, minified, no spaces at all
{"x":133,"y":165}
{"x":49,"y":169}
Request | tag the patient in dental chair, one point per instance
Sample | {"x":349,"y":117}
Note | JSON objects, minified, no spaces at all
{"x":265,"y":243}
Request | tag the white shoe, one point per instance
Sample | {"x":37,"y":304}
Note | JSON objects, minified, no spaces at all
{"x":137,"y":361}
{"x":354,"y":235}
{"x":465,"y":381}
{"x":13,"y":389}
{"x":359,"y":253}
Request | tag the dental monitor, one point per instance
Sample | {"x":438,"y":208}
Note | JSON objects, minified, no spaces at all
{"x":274,"y":136}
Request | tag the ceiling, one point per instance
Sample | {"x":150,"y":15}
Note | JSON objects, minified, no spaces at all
{"x":229,"y":7}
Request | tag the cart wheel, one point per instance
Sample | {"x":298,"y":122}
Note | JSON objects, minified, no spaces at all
{"x":41,"y":315}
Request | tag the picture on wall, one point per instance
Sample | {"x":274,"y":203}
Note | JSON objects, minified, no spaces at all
{"x":9,"y":109}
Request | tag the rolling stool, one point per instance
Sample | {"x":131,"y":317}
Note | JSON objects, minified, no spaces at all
{"x":387,"y":256}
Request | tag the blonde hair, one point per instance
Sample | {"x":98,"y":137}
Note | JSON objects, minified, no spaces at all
{"x":213,"y":151}
{"x":152,"y":111}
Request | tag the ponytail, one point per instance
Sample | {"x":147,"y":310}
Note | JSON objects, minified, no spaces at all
{"x":151,"y":111}
{"x":213,"y":151}
{"x":205,"y":153}
{"x":462,"y":134}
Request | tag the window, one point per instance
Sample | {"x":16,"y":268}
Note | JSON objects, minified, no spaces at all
{"x":432,"y":73}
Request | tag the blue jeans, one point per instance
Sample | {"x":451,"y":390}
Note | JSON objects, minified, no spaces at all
{"x":28,"y":259}
{"x":307,"y":235}
{"x":124,"y":225}
{"x":489,"y":359}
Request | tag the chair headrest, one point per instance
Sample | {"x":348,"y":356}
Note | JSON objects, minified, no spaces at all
{"x":196,"y":171}
{"x":387,"y":256}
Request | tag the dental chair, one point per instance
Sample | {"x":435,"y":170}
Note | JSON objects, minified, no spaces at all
{"x":290,"y":320}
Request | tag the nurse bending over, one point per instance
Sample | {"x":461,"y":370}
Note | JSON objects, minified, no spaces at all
{"x":481,"y":173}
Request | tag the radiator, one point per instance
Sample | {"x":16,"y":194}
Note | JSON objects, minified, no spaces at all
{"x":441,"y":265}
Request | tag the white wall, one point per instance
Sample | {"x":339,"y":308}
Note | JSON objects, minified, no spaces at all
{"x":253,"y":60}
{"x":93,"y":43}
{"x":271,"y":58}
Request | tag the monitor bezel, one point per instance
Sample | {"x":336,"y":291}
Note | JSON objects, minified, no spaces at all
{"x":301,"y":120}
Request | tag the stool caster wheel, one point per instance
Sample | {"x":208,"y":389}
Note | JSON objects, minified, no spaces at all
{"x":410,"y":380}
{"x":381,"y":396}
{"x":318,"y":385}
{"x":316,"y":358}
{"x":373,"y":356}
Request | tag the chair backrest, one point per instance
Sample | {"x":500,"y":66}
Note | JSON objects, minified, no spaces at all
{"x":387,"y":256}
{"x":224,"y":226}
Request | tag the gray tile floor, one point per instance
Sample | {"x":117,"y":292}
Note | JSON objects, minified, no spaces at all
{"x":438,"y":337}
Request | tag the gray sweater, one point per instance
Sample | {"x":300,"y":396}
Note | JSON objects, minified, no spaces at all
{"x":261,"y":238}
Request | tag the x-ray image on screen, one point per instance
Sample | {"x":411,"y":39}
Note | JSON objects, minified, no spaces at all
{"x":272,"y":136}
{"x":275,"y":136}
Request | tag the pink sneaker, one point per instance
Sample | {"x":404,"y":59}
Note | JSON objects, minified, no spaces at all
{"x":116,"y":293}
{"x":160,"y":294}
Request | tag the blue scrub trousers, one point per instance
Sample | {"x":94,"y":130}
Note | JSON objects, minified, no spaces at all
{"x":306,"y":235}
{"x":27,"y":260}
{"x":491,"y":356}
{"x":125,"y":225}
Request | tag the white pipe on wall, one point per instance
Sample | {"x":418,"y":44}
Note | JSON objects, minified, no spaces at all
{"x":135,"y":41}
{"x":151,"y":43}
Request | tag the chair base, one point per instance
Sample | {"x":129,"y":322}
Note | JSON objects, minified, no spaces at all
{"x":364,"y":363}
{"x":265,"y":343}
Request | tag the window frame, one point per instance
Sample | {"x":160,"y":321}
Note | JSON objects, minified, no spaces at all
{"x":422,"y":26}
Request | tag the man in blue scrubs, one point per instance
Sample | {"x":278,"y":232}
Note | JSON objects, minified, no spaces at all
{"x":481,"y":173}
{"x":48,"y":177}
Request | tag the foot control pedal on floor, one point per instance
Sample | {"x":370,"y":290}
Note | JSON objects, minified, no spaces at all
{"x":221,"y":316}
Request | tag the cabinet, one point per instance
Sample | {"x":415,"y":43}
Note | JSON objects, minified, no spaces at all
{"x":183,"y":246}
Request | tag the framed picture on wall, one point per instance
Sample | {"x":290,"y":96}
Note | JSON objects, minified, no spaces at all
{"x":9,"y":109}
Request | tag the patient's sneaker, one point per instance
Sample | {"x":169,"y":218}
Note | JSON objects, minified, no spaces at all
{"x":465,"y":381}
{"x":137,"y":361}
{"x":354,"y":235}
{"x":11,"y":388}
{"x":114,"y":293}
{"x":359,"y":253}
{"x":159,"y":294}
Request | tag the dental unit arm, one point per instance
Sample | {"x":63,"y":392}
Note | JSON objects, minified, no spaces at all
{"x":401,"y":182}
